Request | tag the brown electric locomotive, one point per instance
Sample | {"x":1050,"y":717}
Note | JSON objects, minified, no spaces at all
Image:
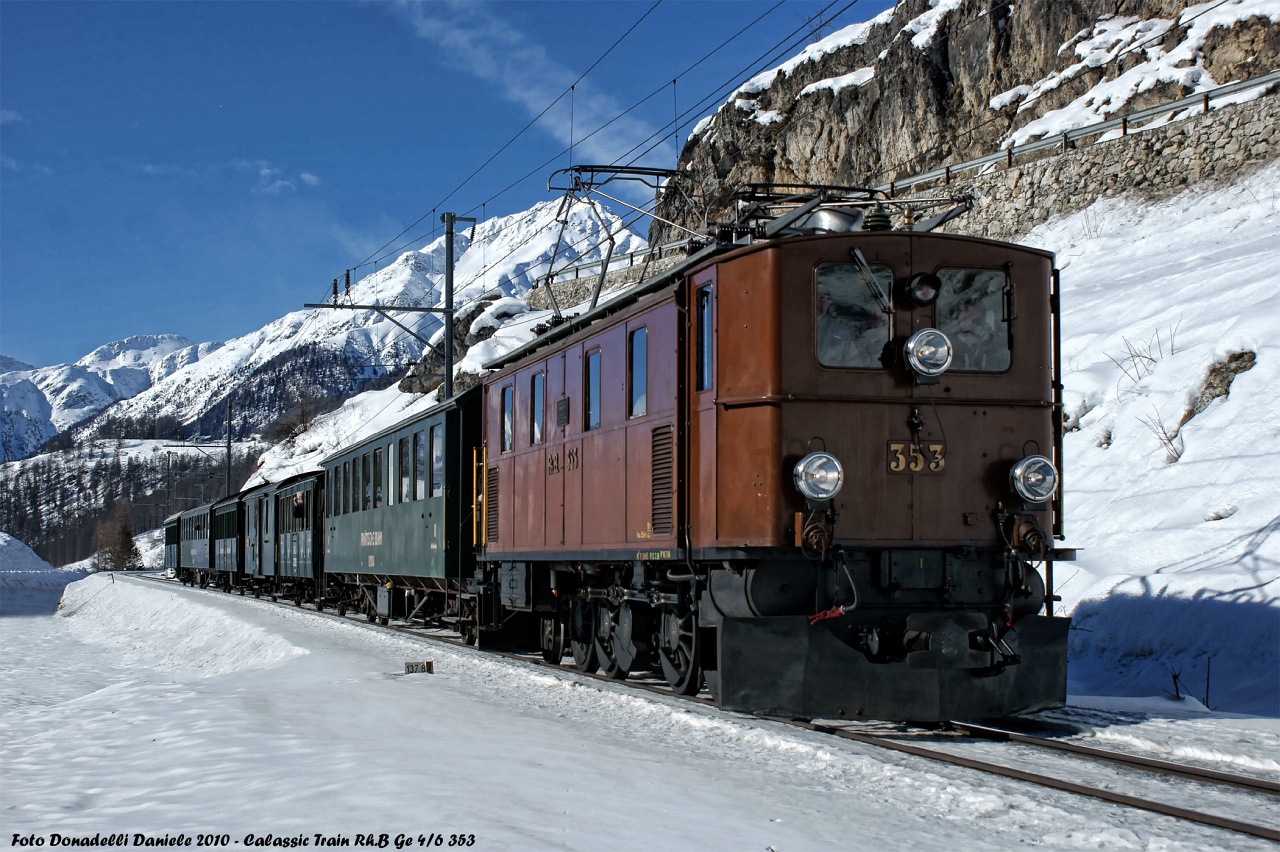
{"x":816,"y":466}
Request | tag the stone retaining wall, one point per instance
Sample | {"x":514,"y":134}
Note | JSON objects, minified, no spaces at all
{"x":1218,"y":146}
{"x":573,"y":291}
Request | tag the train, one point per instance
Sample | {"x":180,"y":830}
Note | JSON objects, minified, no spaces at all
{"x":814,"y":469}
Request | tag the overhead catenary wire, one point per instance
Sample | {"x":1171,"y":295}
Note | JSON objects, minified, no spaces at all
{"x":518,"y":134}
{"x":541,"y":168}
{"x":782,"y":46}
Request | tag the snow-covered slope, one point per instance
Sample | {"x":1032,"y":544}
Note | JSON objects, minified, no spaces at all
{"x":1177,"y":514}
{"x":40,"y":402}
{"x":28,"y":584}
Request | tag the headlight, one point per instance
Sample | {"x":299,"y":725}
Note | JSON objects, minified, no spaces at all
{"x":1034,"y":478}
{"x":819,"y":476}
{"x":929,"y":352}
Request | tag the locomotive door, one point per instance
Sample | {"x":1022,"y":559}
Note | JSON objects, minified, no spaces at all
{"x":557,"y":402}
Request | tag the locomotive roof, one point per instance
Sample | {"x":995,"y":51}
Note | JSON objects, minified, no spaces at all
{"x":717,"y":251}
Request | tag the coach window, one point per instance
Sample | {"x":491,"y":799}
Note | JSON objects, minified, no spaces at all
{"x":971,"y":311}
{"x":437,"y":460}
{"x":419,"y":464}
{"x":508,"y":418}
{"x":702,"y":309}
{"x":537,"y":406}
{"x":592,"y":382}
{"x":851,"y":321}
{"x":638,"y":368}
{"x":346,"y":487}
{"x":405,"y":459}
{"x":377,"y":478}
{"x":366,"y":480}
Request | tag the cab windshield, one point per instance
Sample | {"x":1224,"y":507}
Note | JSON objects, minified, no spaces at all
{"x":970,"y":311}
{"x":851,"y":326}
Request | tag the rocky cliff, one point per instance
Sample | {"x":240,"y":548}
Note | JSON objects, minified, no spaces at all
{"x":932,"y":82}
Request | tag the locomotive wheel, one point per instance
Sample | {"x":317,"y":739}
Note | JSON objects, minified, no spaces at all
{"x":678,"y":650}
{"x":581,"y":636}
{"x":554,"y":639}
{"x":607,"y":641}
{"x":469,"y":622}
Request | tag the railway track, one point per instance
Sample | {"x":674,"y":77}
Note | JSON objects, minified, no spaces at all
{"x":941,"y":747}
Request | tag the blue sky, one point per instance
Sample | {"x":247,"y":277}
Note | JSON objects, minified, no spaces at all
{"x":202,"y":168}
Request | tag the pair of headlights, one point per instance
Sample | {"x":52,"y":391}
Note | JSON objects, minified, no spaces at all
{"x":819,"y":476}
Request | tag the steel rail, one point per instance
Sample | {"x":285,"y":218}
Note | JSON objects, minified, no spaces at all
{"x":1138,"y":802}
{"x":1165,"y":767}
{"x":878,"y":741}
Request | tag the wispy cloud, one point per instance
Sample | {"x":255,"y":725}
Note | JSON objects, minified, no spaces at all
{"x":8,"y":116}
{"x":526,"y":74}
{"x":13,"y":165}
{"x":272,"y":180}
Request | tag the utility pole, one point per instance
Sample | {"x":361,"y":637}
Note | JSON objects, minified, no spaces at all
{"x":449,"y":219}
{"x":228,"y":494}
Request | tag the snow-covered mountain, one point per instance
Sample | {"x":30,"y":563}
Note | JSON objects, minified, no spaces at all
{"x":325,"y":353}
{"x":304,"y":355}
{"x":38,"y":403}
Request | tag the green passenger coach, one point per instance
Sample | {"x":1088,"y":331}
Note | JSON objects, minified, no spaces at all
{"x":394,"y":543}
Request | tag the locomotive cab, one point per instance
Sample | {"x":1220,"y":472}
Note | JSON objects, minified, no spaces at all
{"x":874,"y":433}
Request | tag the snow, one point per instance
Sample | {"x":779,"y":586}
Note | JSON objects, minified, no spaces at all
{"x":28,"y":584}
{"x":1188,"y":548}
{"x":924,"y":27}
{"x":183,"y":710}
{"x":1114,"y":38}
{"x":854,"y":79}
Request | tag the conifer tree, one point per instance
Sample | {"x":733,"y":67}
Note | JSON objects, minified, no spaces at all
{"x":117,"y":551}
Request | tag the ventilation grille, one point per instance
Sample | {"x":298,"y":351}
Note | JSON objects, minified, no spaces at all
{"x":663,"y":480}
{"x":491,"y":505}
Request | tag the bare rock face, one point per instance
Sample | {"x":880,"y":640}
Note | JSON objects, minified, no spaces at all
{"x":428,"y":374}
{"x":937,"y":81}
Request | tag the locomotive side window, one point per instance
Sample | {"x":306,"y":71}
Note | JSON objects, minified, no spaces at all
{"x":437,"y":460}
{"x":638,"y":369}
{"x":508,"y":419}
{"x":537,"y":407}
{"x":592,"y":383}
{"x":852,"y":328}
{"x":702,"y":307}
{"x":970,"y":311}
